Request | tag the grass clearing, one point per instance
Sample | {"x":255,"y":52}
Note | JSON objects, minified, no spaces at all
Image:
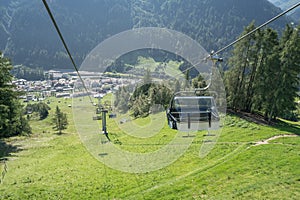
{"x":50,"y":166}
{"x":170,"y":68}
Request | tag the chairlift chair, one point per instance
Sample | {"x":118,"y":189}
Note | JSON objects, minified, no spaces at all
{"x":192,"y":112}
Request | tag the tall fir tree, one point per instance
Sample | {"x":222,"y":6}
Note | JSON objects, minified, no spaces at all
{"x":187,"y":80}
{"x":12,"y":121}
{"x":264,"y":73}
{"x":60,"y":120}
{"x":235,"y":77}
{"x":289,"y":71}
{"x":267,"y":83}
{"x":254,"y":61}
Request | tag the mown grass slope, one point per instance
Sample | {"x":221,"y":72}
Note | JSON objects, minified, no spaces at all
{"x":50,"y":166}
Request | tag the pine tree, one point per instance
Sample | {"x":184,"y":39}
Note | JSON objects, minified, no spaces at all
{"x":12,"y":121}
{"x":236,"y":76}
{"x":60,"y":120}
{"x":289,"y":71}
{"x":187,"y":79}
{"x":198,"y":82}
{"x":41,"y":108}
{"x":254,"y":61}
{"x":264,"y":73}
{"x":122,"y":99}
{"x":267,"y":86}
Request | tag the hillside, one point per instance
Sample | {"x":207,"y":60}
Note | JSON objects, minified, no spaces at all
{"x":284,"y":4}
{"x":248,"y":161}
{"x":27,"y":36}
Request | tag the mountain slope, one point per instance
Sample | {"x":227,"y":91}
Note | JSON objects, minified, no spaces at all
{"x":285,"y":4}
{"x":28,"y":36}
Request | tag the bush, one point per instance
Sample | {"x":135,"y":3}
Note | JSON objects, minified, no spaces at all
{"x":41,"y":108}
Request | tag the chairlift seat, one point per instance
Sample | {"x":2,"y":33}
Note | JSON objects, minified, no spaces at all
{"x":192,"y":109}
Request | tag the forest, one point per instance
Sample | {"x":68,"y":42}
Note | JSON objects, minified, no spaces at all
{"x":262,"y":78}
{"x":264,"y":73}
{"x":61,"y":148}
{"x":28,"y":38}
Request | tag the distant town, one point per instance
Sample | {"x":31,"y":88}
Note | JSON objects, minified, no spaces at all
{"x":62,"y":85}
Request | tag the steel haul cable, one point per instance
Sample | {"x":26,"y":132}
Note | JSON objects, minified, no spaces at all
{"x":220,"y":50}
{"x":66,"y":47}
{"x":248,"y":34}
{"x":77,"y":71}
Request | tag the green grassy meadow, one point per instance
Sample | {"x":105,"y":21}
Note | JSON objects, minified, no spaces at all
{"x":46,"y":165}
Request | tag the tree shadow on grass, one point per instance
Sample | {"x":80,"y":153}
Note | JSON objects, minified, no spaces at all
{"x":292,"y":128}
{"x":289,"y":127}
{"x":60,"y":133}
{"x":6,"y":150}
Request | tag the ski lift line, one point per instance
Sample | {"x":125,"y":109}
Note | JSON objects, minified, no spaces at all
{"x":105,"y":170}
{"x":66,"y":47}
{"x":246,"y":35}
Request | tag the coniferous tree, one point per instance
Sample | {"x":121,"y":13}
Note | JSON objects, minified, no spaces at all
{"x":41,"y":108}
{"x":187,"y":79}
{"x":12,"y":121}
{"x":267,"y":83}
{"x":264,"y":73}
{"x":289,"y":71}
{"x":198,"y":82}
{"x":254,"y":60}
{"x":147,"y":78}
{"x":235,"y":77}
{"x":122,"y":99}
{"x":60,"y":120}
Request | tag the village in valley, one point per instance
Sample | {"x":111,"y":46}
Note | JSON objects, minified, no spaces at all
{"x":62,"y":84}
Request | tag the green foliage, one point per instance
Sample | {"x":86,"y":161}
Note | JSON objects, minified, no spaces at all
{"x":199,"y":82}
{"x":241,"y":68}
{"x":147,"y":77}
{"x":41,"y":108}
{"x":267,"y":82}
{"x":177,"y":86}
{"x":264,"y":73}
{"x":12,"y":121}
{"x":27,"y":73}
{"x":212,"y":23}
{"x":60,"y":120}
{"x":187,"y":79}
{"x":290,"y":70}
{"x":146,"y":97}
{"x":60,"y":167}
{"x":122,"y":96}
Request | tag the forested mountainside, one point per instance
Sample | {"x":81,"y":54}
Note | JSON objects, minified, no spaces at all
{"x":28,"y":37}
{"x":285,"y":4}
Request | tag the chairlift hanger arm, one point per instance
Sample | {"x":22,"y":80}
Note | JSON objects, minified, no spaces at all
{"x":214,"y":58}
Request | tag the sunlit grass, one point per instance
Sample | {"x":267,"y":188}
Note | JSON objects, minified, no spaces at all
{"x":51,"y":166}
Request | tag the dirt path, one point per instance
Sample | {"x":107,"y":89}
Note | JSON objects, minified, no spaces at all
{"x":272,"y":138}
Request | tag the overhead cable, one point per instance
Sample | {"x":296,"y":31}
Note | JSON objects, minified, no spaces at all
{"x":66,"y":47}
